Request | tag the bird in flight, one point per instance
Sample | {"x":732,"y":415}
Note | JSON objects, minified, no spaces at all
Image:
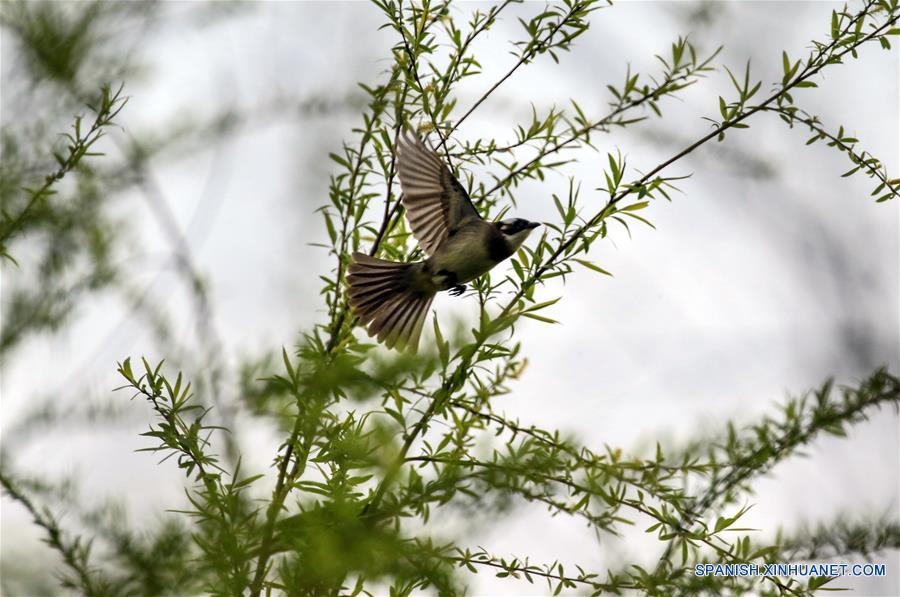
{"x":391,"y":298}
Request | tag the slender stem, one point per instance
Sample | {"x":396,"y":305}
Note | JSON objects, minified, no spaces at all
{"x":525,"y":57}
{"x":858,"y":159}
{"x":534,"y":571}
{"x":380,"y":490}
{"x":339,"y":313}
{"x":411,"y":60}
{"x":73,"y":555}
{"x":476,"y":31}
{"x":282,"y":488}
{"x":108,"y":108}
{"x":532,"y":432}
{"x":808,"y":72}
{"x":726,"y":553}
{"x":392,"y":171}
{"x":579,"y":133}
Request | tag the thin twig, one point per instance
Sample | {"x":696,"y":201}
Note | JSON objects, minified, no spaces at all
{"x":579,"y":133}
{"x":73,"y":555}
{"x":411,"y":60}
{"x":525,"y":57}
{"x":718,"y":130}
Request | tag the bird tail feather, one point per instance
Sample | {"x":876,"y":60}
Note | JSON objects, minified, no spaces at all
{"x":383,"y":300}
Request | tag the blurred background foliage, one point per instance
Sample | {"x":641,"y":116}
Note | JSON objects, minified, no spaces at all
{"x":86,"y":245}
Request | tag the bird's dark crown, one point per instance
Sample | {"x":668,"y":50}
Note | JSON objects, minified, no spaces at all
{"x":514,"y":225}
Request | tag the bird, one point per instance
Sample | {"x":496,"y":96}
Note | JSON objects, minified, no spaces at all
{"x":390,"y":298}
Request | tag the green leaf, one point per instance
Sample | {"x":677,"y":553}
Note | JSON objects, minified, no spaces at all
{"x":594,"y":267}
{"x":396,"y":416}
{"x":247,"y":481}
{"x":539,"y":317}
{"x":818,"y":581}
{"x":614,"y":167}
{"x":336,"y":158}
{"x":539,"y":306}
{"x":443,"y":347}
{"x":636,"y":206}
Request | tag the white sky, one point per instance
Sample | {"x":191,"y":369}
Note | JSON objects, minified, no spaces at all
{"x":749,"y":289}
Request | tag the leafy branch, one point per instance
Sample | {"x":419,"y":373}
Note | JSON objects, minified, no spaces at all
{"x":226,"y":519}
{"x":75,"y":553}
{"x":297,"y":448}
{"x":570,"y":22}
{"x":80,"y":141}
{"x":648,"y":183}
{"x":842,"y":539}
{"x":555,"y":573}
{"x":680,"y":73}
{"x":772,"y":441}
{"x":862,"y":161}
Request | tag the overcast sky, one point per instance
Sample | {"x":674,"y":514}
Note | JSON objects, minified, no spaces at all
{"x":768,"y":274}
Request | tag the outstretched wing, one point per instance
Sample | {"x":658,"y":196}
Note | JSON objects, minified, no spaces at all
{"x":436,"y":204}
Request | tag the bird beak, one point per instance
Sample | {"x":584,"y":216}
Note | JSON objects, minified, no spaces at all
{"x":533,"y":225}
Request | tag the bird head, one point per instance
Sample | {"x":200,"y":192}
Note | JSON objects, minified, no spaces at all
{"x":515,"y":230}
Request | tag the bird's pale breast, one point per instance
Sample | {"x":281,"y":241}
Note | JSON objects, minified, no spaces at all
{"x":469,"y":253}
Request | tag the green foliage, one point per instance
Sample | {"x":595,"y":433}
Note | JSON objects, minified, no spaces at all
{"x":864,"y":537}
{"x":57,"y":202}
{"x":75,"y":227}
{"x":80,"y":141}
{"x":377,"y":445}
{"x":75,"y":551}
